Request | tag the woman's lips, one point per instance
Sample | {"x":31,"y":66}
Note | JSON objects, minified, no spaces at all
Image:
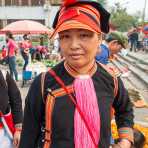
{"x":76,"y":56}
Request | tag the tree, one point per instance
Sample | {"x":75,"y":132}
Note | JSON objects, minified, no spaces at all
{"x":121,"y":19}
{"x":103,"y":2}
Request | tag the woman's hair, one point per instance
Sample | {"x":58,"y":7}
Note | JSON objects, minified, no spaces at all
{"x":139,"y":139}
{"x":25,"y":37}
{"x":9,"y":35}
{"x":6,"y":40}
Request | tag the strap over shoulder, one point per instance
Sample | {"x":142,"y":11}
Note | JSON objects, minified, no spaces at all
{"x":115,"y":73}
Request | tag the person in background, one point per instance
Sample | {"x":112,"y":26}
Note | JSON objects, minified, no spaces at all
{"x":10,"y":111}
{"x":139,"y":139}
{"x":145,"y":42}
{"x":4,"y":58}
{"x":133,"y":39}
{"x":4,"y":51}
{"x":12,"y":51}
{"x":114,"y":43}
{"x":25,"y":46}
{"x":70,"y":104}
{"x":140,"y":40}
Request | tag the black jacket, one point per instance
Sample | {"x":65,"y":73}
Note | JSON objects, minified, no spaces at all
{"x":10,"y":97}
{"x":63,"y":113}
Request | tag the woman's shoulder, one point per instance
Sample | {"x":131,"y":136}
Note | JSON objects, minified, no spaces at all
{"x":108,"y":70}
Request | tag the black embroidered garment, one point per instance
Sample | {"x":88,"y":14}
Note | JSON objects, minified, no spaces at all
{"x":10,"y":97}
{"x":63,"y":113}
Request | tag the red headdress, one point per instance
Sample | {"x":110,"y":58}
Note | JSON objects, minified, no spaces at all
{"x":86,"y":14}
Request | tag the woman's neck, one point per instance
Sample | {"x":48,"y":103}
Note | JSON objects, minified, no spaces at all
{"x":90,"y":69}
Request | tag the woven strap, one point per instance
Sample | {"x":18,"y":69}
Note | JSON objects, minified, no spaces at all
{"x":112,"y":72}
{"x":50,"y":101}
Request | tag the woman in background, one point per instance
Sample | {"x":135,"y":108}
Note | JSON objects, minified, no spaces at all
{"x":12,"y":50}
{"x":10,"y":112}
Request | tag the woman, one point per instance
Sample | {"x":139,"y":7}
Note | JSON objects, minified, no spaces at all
{"x":12,"y":49}
{"x":10,"y":112}
{"x":71,"y":107}
{"x":25,"y":49}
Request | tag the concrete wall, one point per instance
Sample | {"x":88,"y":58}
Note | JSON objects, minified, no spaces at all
{"x":46,"y":13}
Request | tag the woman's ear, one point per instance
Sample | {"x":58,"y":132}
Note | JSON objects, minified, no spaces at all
{"x":99,"y":39}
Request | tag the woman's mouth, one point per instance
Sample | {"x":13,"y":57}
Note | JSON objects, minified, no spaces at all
{"x":76,"y":56}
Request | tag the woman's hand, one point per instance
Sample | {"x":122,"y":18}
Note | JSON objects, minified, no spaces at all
{"x":16,"y":138}
{"x":124,"y":143}
{"x":115,"y":146}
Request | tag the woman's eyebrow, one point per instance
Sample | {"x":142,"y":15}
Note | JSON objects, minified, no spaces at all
{"x":66,"y":31}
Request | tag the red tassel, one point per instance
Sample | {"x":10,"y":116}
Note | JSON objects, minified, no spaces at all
{"x":68,"y":2}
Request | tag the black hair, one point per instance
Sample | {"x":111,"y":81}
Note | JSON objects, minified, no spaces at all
{"x":9,"y":34}
{"x":139,"y":139}
{"x":7,"y":40}
{"x":25,"y":37}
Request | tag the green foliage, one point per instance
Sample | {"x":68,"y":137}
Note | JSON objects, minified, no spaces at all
{"x":121,"y":19}
{"x":50,"y":63}
{"x":19,"y":62}
{"x":103,"y":2}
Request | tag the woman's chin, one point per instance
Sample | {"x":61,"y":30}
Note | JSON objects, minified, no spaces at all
{"x":76,"y":63}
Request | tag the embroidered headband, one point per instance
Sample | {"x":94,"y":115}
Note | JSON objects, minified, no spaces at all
{"x":81,"y":14}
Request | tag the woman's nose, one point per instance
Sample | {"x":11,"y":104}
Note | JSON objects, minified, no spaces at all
{"x":74,"y":43}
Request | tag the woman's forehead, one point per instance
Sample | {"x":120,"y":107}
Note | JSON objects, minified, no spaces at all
{"x":76,"y":30}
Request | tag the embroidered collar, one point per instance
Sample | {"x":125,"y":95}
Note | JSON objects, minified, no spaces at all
{"x":75,"y":73}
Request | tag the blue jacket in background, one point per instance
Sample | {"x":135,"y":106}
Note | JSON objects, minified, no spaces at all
{"x":104,"y":55}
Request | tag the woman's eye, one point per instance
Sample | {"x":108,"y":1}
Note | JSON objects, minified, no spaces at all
{"x":65,"y":36}
{"x":85,"y":35}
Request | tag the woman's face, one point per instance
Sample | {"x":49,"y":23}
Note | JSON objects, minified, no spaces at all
{"x":115,"y":47}
{"x":79,"y":46}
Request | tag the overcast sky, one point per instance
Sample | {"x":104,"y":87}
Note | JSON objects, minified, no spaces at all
{"x":131,"y":5}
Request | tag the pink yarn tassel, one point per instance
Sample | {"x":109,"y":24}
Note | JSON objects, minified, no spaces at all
{"x":87,"y":101}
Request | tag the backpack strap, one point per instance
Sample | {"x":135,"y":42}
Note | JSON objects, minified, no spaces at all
{"x":114,"y":73}
{"x":49,"y":105}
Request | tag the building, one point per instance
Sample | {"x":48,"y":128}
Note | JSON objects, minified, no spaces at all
{"x":39,"y":10}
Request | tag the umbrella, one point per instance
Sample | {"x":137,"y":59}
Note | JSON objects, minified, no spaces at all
{"x":25,"y":26}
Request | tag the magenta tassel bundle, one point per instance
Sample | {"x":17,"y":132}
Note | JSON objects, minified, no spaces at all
{"x":87,"y":101}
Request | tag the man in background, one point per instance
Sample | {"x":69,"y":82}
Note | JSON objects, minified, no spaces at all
{"x":113,"y":44}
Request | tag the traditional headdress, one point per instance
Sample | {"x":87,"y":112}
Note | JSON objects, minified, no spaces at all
{"x":87,"y":14}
